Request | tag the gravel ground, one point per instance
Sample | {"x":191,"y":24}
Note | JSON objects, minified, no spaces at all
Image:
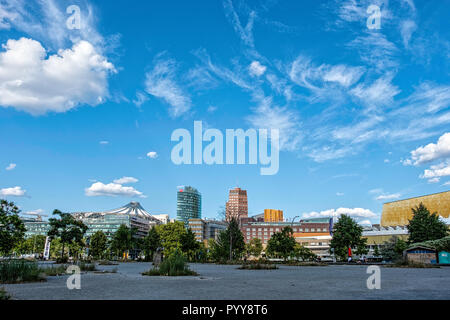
{"x":217,"y":282}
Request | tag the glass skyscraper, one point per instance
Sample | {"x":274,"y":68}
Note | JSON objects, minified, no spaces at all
{"x":189,"y":204}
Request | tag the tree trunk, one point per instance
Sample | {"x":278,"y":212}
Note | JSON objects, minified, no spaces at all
{"x":62,"y":251}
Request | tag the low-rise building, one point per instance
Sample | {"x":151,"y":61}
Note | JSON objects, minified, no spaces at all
{"x":206,"y":229}
{"x":255,"y":228}
{"x":377,"y":236}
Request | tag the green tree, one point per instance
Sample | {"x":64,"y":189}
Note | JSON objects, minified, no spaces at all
{"x":123,"y":240}
{"x":98,"y":244}
{"x":303,"y":253}
{"x":170,"y":235}
{"x":12,"y":229}
{"x":347,"y":234}
{"x":33,"y":244}
{"x":189,"y":245}
{"x":281,"y":243}
{"x":376,"y":251}
{"x":67,"y":228}
{"x":151,"y":242}
{"x":425,"y":226}
{"x":230,"y":243}
{"x":254,"y":247}
{"x":392,"y":250}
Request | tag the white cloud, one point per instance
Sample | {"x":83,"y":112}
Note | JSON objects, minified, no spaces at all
{"x":407,"y":28}
{"x":353,"y":212}
{"x":126,"y":180}
{"x":245,"y":33}
{"x":112,"y":190}
{"x":379,"y":93}
{"x":266,"y":116}
{"x":46,"y":20}
{"x":104,"y":142}
{"x":141,"y":98}
{"x":365,"y":223}
{"x":256,"y":69}
{"x":392,"y":196}
{"x":161,"y":82}
{"x":304,"y":73}
{"x":212,"y":109}
{"x":431,"y":152}
{"x":446,"y":184}
{"x":152,"y":154}
{"x":339,"y":194}
{"x":13,"y":192}
{"x":32,"y":82}
{"x":35,"y":212}
{"x":11,"y":166}
{"x":434,"y":180}
{"x":437,"y":171}
{"x":375,"y":50}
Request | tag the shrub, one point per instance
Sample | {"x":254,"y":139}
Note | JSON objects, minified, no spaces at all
{"x":62,"y":260}
{"x":4,"y":295}
{"x":174,"y":265}
{"x":107,"y":263}
{"x":54,"y":271}
{"x":16,"y":271}
{"x":86,"y":266}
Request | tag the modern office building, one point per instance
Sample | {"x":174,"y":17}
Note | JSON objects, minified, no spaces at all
{"x":189,"y":204}
{"x":272,"y":215}
{"x":133,"y":215}
{"x":237,"y":204}
{"x":35,"y":226}
{"x":206,"y":229}
{"x":398,"y":213}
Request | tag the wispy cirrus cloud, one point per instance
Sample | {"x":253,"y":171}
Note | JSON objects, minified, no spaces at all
{"x":161,"y":82}
{"x":11,"y":166}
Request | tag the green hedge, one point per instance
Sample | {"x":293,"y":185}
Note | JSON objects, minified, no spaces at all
{"x":438,"y":245}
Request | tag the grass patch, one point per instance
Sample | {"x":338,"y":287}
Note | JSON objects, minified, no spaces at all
{"x":258,"y":266}
{"x":173,"y":266}
{"x":4,"y":295}
{"x":17,"y":271}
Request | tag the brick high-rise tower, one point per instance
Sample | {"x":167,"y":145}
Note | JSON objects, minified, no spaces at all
{"x":237,"y":205}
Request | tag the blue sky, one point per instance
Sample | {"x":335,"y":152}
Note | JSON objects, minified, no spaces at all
{"x":86,"y":114}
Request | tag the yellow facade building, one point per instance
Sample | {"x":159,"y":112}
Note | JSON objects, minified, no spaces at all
{"x":272,"y":215}
{"x":398,"y":213}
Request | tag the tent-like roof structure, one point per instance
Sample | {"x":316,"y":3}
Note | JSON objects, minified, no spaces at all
{"x":132,"y":209}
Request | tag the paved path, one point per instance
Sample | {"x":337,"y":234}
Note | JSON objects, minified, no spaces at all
{"x":226,"y":282}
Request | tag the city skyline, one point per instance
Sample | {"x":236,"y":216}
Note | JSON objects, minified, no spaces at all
{"x":362,"y":113}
